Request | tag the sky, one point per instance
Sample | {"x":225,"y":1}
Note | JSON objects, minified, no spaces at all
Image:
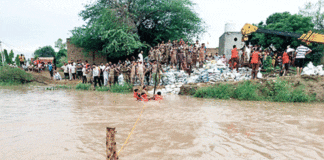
{"x":26,"y":25}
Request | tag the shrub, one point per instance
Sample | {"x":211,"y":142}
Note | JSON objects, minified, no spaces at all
{"x":284,"y":92}
{"x":102,"y":89}
{"x":10,"y":75}
{"x":278,"y":91}
{"x":246,"y":91}
{"x":81,"y":86}
{"x":222,"y":91}
{"x":126,"y":88}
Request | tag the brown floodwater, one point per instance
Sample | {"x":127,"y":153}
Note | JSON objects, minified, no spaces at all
{"x":38,"y":124}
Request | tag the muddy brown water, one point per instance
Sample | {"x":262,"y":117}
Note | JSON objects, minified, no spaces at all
{"x":39,"y":124}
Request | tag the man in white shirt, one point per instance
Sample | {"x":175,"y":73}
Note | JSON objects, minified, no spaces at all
{"x":105,"y":74}
{"x":217,"y":57}
{"x":70,"y":70}
{"x":66,"y":71}
{"x":140,"y":72}
{"x":57,"y":76}
{"x":96,"y":74}
{"x":140,"y":56}
{"x":73,"y":70}
{"x":301,"y":51}
{"x":84,"y":74}
{"x":223,"y":59}
{"x":73,"y":63}
{"x":197,"y":44}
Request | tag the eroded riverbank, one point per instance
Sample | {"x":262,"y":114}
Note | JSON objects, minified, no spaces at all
{"x":65,"y":124}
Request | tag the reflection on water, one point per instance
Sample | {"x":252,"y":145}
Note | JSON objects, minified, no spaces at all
{"x":39,"y":124}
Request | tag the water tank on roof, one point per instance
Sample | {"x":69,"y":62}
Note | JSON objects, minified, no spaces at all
{"x":230,"y":27}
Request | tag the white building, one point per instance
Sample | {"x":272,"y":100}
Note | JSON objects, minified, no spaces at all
{"x":231,"y":37}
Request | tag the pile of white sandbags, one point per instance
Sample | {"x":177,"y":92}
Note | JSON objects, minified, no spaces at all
{"x":312,"y":70}
{"x":212,"y":71}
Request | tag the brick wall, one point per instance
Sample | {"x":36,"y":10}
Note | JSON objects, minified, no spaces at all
{"x":76,"y":53}
{"x":212,"y":51}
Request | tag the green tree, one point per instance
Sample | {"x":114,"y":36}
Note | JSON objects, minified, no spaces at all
{"x":7,"y":57}
{"x":17,"y":60}
{"x":282,"y":22}
{"x":117,"y":28}
{"x":1,"y":53}
{"x":61,"y":61}
{"x":316,"y":11}
{"x":61,"y":53}
{"x":59,"y":44}
{"x":46,"y":51}
{"x":11,"y":56}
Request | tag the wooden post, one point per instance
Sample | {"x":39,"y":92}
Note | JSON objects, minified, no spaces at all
{"x":111,"y":144}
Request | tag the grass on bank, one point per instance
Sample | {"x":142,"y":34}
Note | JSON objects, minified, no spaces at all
{"x":126,"y":88}
{"x":277,"y":91}
{"x":59,"y":87}
{"x":14,"y":76}
{"x":81,"y":86}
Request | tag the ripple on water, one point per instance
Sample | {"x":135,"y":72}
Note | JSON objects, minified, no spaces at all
{"x":39,"y":124}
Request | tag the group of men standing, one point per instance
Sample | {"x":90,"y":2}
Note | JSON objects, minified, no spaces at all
{"x":255,"y":57}
{"x":178,"y":54}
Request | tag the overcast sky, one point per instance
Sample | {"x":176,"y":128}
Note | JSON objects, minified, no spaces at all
{"x":26,"y":25}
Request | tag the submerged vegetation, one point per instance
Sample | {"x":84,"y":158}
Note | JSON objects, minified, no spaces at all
{"x":277,"y":91}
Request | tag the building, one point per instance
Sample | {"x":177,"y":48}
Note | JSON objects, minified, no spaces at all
{"x":44,"y":59}
{"x":76,"y":53}
{"x":228,"y":39}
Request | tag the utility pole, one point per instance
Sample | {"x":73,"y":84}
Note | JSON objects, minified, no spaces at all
{"x":2,"y":55}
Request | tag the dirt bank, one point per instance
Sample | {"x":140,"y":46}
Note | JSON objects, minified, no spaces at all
{"x":45,"y":79}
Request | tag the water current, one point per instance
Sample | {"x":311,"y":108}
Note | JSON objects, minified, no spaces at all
{"x":38,"y":124}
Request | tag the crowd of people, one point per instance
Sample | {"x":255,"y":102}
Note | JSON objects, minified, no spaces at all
{"x":178,"y":54}
{"x":255,"y":57}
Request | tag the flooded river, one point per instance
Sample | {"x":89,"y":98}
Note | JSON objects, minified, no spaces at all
{"x":38,"y":124}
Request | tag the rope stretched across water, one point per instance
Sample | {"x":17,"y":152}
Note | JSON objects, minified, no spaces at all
{"x":129,"y":135}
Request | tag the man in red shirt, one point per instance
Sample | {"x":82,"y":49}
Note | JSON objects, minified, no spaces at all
{"x":87,"y":64}
{"x":285,"y":63}
{"x":255,"y":61}
{"x":234,"y":58}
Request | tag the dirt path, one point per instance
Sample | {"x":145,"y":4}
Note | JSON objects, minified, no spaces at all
{"x":45,"y":78}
